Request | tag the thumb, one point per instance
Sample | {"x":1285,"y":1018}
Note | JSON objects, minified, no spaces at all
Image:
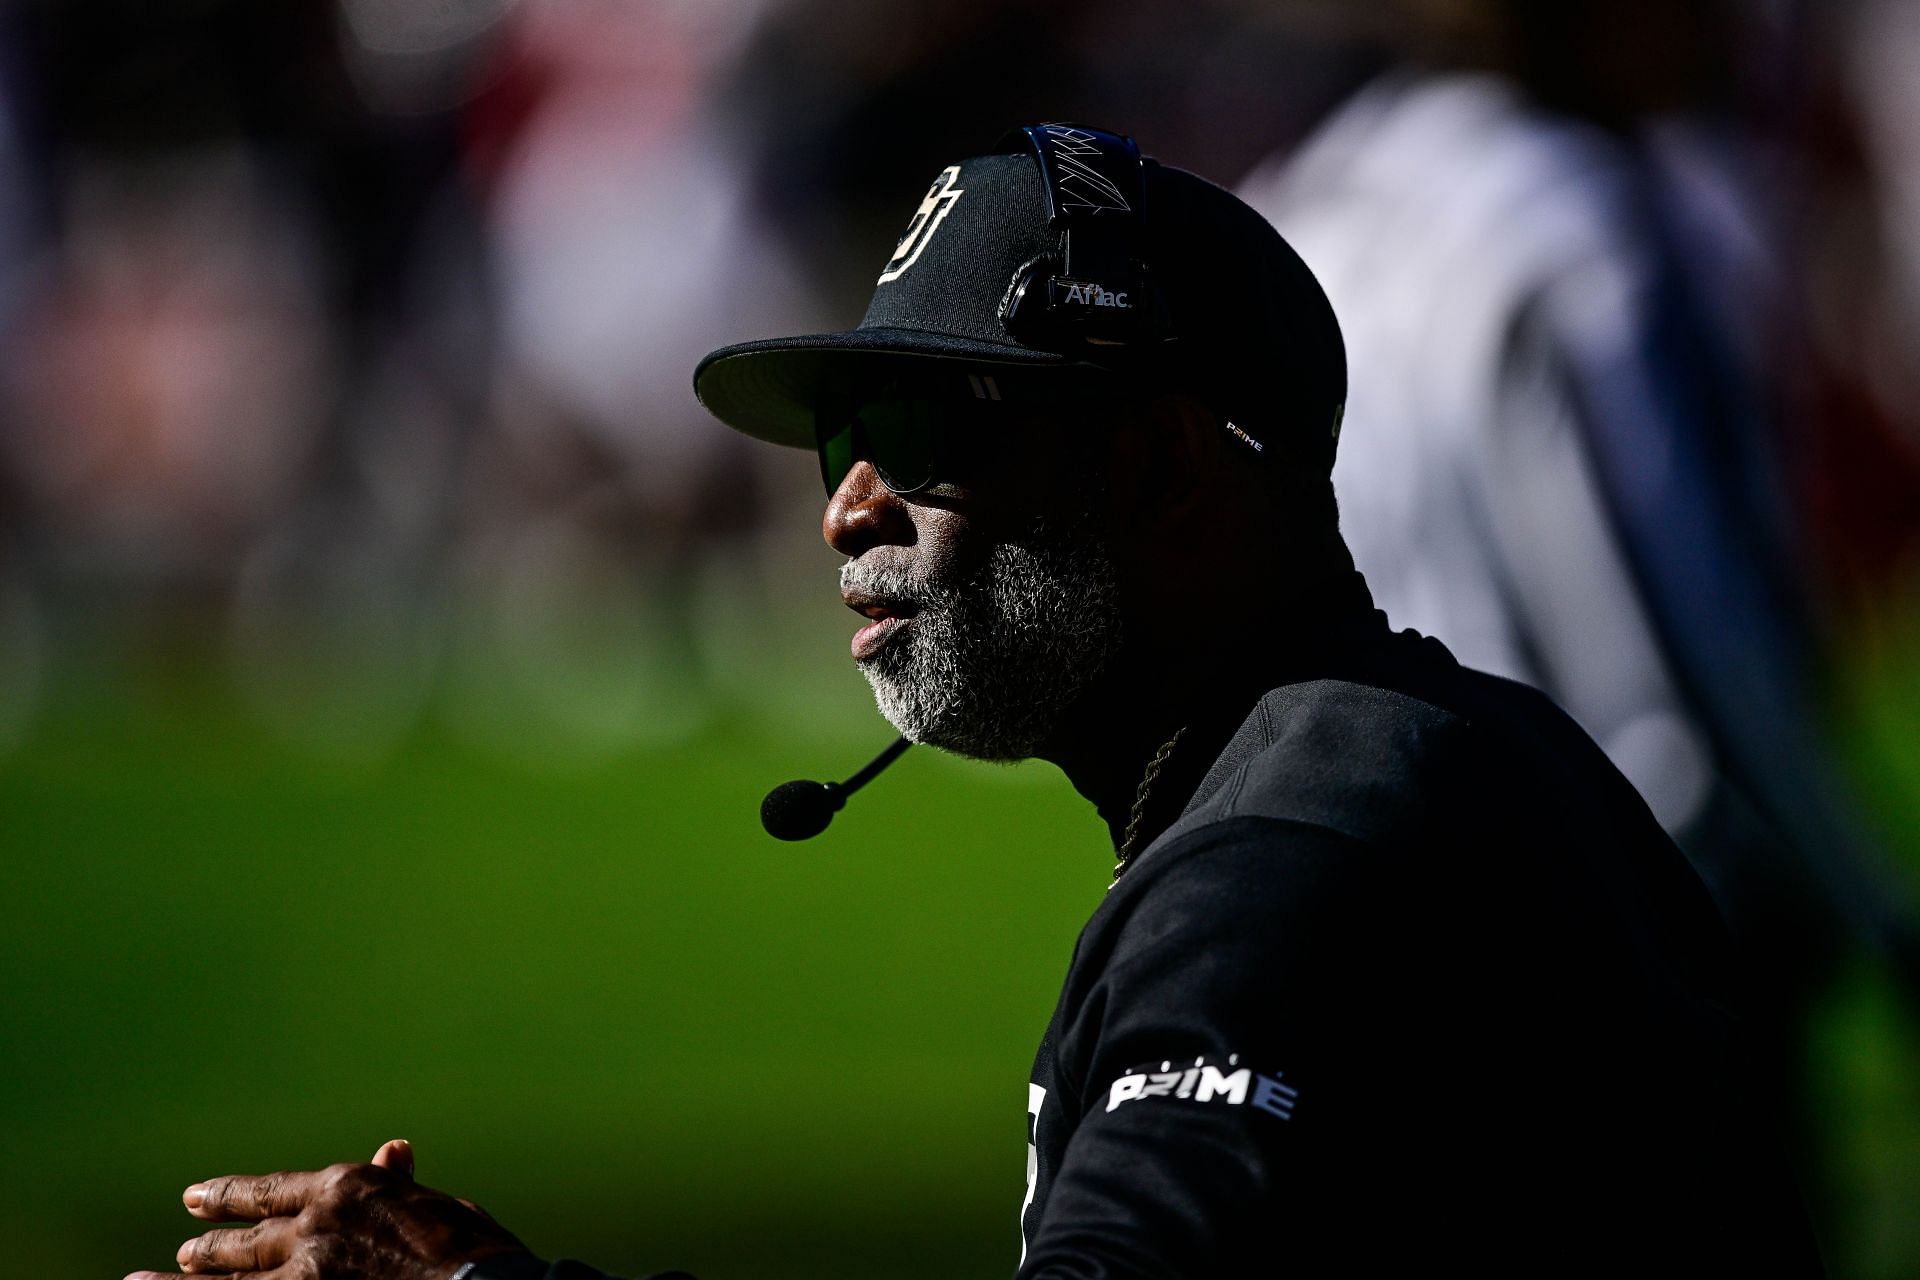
{"x":397,"y":1155}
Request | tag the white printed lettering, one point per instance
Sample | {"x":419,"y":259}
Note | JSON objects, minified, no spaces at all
{"x":1204,"y":1082}
{"x":1214,"y":1085}
{"x":1036,"y":1098}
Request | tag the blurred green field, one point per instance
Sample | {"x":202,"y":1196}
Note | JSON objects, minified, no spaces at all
{"x":596,"y":997}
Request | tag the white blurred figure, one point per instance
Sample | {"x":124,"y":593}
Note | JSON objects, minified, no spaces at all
{"x":1559,"y":329}
{"x":626,"y":246}
{"x":623,"y":231}
{"x":1462,"y":235}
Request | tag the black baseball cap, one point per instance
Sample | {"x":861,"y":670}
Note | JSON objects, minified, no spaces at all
{"x":1215,"y":302}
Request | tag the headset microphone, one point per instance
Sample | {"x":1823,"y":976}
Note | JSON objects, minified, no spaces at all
{"x":801,"y":810}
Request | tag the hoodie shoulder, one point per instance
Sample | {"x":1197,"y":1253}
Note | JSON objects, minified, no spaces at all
{"x":1358,"y":759}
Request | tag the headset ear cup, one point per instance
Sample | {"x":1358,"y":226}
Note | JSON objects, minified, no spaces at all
{"x":1032,"y":313}
{"x":1023,"y":311}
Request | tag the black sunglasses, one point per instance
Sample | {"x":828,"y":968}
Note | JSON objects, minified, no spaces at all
{"x":918,"y":433}
{"x":912,"y":441}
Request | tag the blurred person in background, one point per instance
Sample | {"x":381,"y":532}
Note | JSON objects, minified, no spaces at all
{"x":365,"y":323}
{"x":168,"y":359}
{"x":622,"y":240}
{"x":23,"y":217}
{"x":1548,"y":233}
{"x":199,"y":342}
{"x":1857,"y":212}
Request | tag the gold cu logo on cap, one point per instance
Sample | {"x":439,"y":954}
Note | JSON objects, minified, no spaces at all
{"x":926,"y":220}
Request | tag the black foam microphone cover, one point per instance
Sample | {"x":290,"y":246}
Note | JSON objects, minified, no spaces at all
{"x":800,"y":810}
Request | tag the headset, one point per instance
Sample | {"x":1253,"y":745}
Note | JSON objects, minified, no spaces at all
{"x":1095,"y":288}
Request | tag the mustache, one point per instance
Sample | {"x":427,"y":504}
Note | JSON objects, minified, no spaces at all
{"x":889,"y":582}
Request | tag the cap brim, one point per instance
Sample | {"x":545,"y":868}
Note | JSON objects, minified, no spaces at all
{"x":768,"y":389}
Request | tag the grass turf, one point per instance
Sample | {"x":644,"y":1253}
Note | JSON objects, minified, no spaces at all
{"x":598,"y":999}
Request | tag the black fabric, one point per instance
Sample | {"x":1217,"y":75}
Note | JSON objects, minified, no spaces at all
{"x":1481,"y":1000}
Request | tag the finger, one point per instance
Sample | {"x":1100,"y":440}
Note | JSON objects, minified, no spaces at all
{"x":259,"y":1248}
{"x":175,"y":1275}
{"x":397,"y":1155}
{"x":251,"y":1197}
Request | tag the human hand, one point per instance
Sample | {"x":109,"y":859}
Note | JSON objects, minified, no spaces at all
{"x":347,"y":1222}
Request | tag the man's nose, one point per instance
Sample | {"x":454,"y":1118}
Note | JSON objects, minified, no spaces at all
{"x":864,"y":513}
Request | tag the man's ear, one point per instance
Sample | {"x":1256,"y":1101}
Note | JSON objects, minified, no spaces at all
{"x":1167,"y":466}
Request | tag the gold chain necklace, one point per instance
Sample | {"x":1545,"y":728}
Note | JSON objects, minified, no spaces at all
{"x":1140,"y":798}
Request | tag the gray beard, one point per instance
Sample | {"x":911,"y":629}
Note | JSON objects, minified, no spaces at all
{"x":988,"y":667}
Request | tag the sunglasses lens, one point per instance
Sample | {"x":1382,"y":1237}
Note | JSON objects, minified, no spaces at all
{"x":896,"y":436}
{"x":836,"y":452}
{"x":899,"y":441}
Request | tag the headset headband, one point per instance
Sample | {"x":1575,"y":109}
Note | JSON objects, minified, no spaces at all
{"x":1096,"y":288}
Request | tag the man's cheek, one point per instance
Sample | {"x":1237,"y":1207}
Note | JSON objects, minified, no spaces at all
{"x":952,"y":548}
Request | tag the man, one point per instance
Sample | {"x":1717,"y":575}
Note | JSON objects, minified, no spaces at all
{"x":1396,"y":969}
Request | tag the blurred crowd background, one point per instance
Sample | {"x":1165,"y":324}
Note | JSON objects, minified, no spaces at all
{"x":392,"y":654}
